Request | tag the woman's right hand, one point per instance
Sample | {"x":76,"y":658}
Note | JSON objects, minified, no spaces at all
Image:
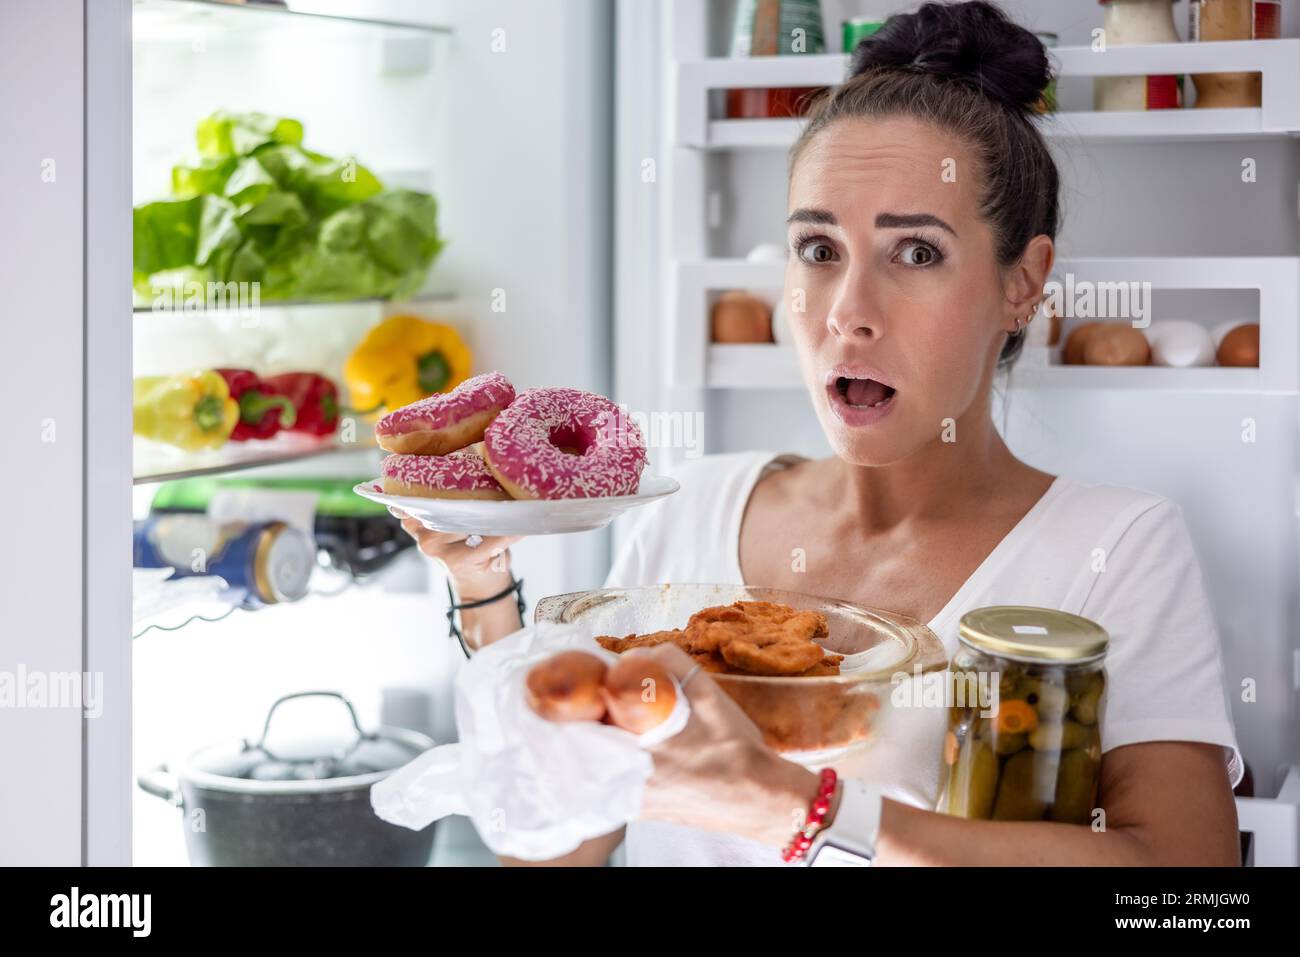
{"x":478,"y":571}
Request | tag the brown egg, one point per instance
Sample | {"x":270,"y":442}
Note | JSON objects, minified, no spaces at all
{"x":1116,"y":345}
{"x":740,"y":317}
{"x":639,"y":693}
{"x":1072,"y":354}
{"x":1240,"y":347}
{"x":567,"y":687}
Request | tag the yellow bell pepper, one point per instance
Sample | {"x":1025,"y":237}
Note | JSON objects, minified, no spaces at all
{"x":192,"y":411}
{"x":404,"y":359}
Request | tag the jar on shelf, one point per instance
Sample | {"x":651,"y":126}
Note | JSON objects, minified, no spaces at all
{"x":1138,"y":21}
{"x":1232,"y":20}
{"x":1024,"y":740}
{"x":774,"y":28}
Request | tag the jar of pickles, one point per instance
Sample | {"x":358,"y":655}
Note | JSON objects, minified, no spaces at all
{"x":1023,"y":740}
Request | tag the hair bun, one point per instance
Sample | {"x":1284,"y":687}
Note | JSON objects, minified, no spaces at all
{"x":974,"y":43}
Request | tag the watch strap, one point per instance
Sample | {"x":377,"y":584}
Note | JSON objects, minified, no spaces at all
{"x":856,"y":825}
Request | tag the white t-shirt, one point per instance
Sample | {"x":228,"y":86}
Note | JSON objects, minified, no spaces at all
{"x":1163,"y":666}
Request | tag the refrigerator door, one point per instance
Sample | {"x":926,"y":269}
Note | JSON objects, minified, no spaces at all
{"x":65,"y":737}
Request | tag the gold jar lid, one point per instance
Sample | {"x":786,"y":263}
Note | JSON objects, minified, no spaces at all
{"x":1033,"y":634}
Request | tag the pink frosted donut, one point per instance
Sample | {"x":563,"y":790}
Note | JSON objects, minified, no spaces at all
{"x":460,"y":474}
{"x":564,"y":443}
{"x":448,"y":421}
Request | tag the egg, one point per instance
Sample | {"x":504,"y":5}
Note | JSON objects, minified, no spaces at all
{"x":1072,"y":353}
{"x":1240,"y":347}
{"x":1116,"y":345}
{"x":567,"y":687}
{"x":780,"y":329}
{"x":774,"y":254}
{"x":766,"y":253}
{"x":638,"y":692}
{"x":1180,"y":343}
{"x":741,"y":317}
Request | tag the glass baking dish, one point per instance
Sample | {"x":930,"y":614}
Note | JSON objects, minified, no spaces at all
{"x":812,"y":720}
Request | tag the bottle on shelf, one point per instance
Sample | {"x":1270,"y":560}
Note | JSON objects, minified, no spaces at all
{"x":1232,"y":20}
{"x":1138,"y":21}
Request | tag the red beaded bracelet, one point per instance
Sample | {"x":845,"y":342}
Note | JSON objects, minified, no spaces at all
{"x":817,"y":811}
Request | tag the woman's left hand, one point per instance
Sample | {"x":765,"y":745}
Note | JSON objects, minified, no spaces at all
{"x":716,"y":773}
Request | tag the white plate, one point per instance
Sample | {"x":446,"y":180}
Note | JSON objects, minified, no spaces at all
{"x":473,"y":516}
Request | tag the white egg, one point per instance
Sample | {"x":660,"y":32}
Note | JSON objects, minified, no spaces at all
{"x":766,"y":253}
{"x":780,"y":331}
{"x":1180,"y":343}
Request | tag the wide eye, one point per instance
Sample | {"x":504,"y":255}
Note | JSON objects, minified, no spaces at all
{"x":918,"y":253}
{"x":815,"y":252}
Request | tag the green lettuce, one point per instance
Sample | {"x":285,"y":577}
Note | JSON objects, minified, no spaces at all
{"x":258,"y":207}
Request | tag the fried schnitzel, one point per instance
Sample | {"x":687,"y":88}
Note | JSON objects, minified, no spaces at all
{"x":746,"y":637}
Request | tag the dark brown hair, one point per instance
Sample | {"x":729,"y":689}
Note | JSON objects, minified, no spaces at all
{"x":970,"y":70}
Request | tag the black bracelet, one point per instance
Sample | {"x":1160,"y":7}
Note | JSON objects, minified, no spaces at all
{"x":517,"y":587}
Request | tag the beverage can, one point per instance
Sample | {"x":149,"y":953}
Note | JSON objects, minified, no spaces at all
{"x":262,"y":563}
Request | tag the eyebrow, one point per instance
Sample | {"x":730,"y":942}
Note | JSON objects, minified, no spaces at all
{"x":825,"y":217}
{"x":910,"y":221}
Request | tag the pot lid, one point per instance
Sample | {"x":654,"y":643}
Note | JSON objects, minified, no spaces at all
{"x":323,"y":755}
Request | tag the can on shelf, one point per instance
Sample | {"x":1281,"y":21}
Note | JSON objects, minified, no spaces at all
{"x":857,"y":29}
{"x":262,"y":563}
{"x":1023,"y":740}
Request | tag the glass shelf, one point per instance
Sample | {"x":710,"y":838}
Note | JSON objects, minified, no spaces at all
{"x":173,"y":19}
{"x":152,"y":462}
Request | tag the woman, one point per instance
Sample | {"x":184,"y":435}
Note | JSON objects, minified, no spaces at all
{"x":922,"y":212}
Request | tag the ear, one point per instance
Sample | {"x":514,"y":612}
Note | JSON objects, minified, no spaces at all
{"x":1024,"y":281}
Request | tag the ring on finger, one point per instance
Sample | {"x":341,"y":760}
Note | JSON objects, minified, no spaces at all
{"x":474,"y":541}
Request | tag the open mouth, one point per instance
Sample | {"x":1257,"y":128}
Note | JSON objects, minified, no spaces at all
{"x":863,"y":393}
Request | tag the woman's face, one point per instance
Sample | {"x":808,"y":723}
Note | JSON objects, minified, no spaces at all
{"x":893,"y":293}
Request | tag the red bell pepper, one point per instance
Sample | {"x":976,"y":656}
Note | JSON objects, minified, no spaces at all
{"x":314,"y":397}
{"x":263,"y":411}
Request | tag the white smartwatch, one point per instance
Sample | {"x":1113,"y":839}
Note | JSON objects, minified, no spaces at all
{"x":850,"y":840}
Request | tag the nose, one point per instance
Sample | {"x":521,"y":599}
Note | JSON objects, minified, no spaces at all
{"x":853,"y":313}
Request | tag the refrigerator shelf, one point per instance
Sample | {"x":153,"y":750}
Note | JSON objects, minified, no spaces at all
{"x":306,"y":307}
{"x":183,"y":19}
{"x":1278,"y":62}
{"x":695,"y":362}
{"x":1275,"y":822}
{"x":152,"y":462}
{"x":1155,"y":126}
{"x":776,"y":367}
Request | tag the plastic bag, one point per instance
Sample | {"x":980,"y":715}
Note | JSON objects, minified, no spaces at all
{"x":534,"y":789}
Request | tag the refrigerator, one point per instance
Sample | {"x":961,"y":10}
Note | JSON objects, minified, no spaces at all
{"x":595,"y":200}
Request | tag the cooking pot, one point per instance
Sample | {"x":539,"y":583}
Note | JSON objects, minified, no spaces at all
{"x":303,"y":803}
